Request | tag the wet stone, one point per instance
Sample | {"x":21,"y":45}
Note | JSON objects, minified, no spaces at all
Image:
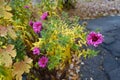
{"x":114,"y":48}
{"x":100,"y":76}
{"x":115,"y":74}
{"x":110,"y":63}
{"x":108,"y":39}
{"x":91,"y":68}
{"x":104,"y":24}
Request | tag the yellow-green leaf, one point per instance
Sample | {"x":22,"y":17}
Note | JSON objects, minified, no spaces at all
{"x":6,"y":55}
{"x":12,"y":33}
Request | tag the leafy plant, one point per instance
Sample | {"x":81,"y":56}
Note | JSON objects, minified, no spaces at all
{"x":56,"y":5}
{"x":40,"y":41}
{"x":68,"y":4}
{"x":12,"y":48}
{"x":5,"y":10}
{"x":19,"y":11}
{"x":60,"y":39}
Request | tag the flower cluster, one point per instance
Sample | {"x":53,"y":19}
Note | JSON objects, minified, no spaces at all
{"x":37,"y":27}
{"x":48,"y":45}
{"x":43,"y":60}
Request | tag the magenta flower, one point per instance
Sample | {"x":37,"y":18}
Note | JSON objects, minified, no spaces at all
{"x":94,"y":38}
{"x":44,"y":16}
{"x":36,"y":51}
{"x":31,"y":23}
{"x":37,"y":27}
{"x":26,"y":7}
{"x":43,"y":61}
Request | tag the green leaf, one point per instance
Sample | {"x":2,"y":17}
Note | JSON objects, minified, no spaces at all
{"x":20,"y":49}
{"x":2,"y":71}
{"x":54,"y":61}
{"x":92,"y":53}
{"x":75,"y":46}
{"x":5,"y":73}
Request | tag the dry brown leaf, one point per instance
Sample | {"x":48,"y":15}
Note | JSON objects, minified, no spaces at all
{"x":6,"y":55}
{"x":10,"y":50}
{"x":12,"y":33}
{"x":8,"y":30}
{"x":3,"y":31}
{"x":6,"y":60}
{"x":1,"y":2}
{"x":20,"y":67}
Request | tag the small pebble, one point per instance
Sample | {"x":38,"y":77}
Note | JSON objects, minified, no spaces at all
{"x":82,"y":63}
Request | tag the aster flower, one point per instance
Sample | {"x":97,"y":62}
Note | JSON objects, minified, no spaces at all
{"x":31,"y":23}
{"x":94,"y":38}
{"x":26,"y":7}
{"x":44,"y":16}
{"x":37,"y":27}
{"x":43,"y":61}
{"x":36,"y":51}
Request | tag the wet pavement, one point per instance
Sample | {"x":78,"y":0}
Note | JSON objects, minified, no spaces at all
{"x":106,"y":65}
